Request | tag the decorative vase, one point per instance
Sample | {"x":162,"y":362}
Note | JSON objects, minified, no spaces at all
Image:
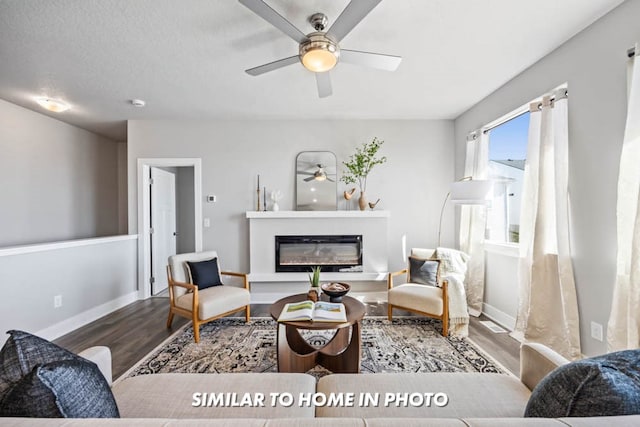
{"x":362,"y":201}
{"x":313,"y":294}
{"x":275,"y":207}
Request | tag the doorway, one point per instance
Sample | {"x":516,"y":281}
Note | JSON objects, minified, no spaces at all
{"x":164,"y":230}
{"x":169,"y":217}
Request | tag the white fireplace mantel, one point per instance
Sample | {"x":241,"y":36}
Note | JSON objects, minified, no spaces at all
{"x":265,"y":225}
{"x":316,"y":214}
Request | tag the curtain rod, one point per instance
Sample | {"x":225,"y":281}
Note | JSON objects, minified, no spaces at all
{"x":515,"y":115}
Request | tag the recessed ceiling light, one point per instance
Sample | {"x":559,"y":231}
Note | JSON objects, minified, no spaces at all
{"x":138,"y":103}
{"x":55,"y":105}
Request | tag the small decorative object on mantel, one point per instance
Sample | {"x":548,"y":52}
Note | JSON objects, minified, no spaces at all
{"x":265,"y":199}
{"x":314,"y":281}
{"x":359,"y":166}
{"x":349,"y":194}
{"x":275,"y":196}
{"x":373,"y":205}
{"x":258,"y":191}
{"x":347,"y":197}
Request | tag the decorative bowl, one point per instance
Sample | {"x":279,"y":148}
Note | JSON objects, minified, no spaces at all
{"x":335,"y":290}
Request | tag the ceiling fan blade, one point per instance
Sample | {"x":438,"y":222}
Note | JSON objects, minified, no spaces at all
{"x":324,"y":84}
{"x":368,"y":59}
{"x":311,"y":178}
{"x":264,"y":11}
{"x":330,"y":180}
{"x":351,"y":16}
{"x":256,"y":71}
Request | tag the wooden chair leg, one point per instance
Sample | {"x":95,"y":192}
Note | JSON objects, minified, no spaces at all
{"x":445,"y":326}
{"x":247,"y":313}
{"x":170,"y":319}
{"x":196,"y":332}
{"x":390,"y":312}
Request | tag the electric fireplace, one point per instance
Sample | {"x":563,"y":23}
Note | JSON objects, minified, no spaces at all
{"x":339,"y":253}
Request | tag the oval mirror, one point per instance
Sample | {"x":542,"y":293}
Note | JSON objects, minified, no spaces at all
{"x":316,"y":181}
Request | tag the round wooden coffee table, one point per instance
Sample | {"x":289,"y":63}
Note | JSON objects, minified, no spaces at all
{"x":340,"y":355}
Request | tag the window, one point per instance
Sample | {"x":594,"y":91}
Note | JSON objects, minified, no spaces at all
{"x":507,"y":155}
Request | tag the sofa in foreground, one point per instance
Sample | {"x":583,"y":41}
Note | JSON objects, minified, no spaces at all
{"x":403,"y":399}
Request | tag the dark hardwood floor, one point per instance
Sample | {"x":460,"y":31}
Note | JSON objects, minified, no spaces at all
{"x":135,"y":330}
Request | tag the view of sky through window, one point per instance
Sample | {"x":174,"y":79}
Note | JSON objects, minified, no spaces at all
{"x":507,"y":155}
{"x":509,"y":140}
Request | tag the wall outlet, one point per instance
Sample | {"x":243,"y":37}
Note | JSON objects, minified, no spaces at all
{"x":596,"y":331}
{"x":207,"y":223}
{"x":57,"y":301}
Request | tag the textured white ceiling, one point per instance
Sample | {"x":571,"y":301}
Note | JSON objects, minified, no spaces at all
{"x":187,"y":58}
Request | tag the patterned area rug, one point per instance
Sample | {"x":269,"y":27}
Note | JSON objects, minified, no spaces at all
{"x":408,"y":344}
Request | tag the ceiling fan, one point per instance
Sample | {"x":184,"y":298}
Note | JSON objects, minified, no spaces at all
{"x":319,"y":51}
{"x":318,"y":175}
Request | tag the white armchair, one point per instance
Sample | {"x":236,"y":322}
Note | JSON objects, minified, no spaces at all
{"x":431,"y":301}
{"x":203,"y":305}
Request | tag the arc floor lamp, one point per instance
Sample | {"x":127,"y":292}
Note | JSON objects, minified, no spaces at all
{"x":467,"y":191}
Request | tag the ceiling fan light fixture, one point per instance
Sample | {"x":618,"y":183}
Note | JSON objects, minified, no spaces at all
{"x":55,"y":105}
{"x":319,"y":54}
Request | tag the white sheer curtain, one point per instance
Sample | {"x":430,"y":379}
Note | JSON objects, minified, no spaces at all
{"x":473,"y":220}
{"x":623,"y":330}
{"x":547,"y":307}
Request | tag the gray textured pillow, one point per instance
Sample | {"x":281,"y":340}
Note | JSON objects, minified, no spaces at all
{"x":69,"y":389}
{"x":424,"y":271}
{"x":606,"y":385}
{"x":22,"y":352}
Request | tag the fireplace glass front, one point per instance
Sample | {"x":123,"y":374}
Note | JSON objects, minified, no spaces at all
{"x":331,"y":253}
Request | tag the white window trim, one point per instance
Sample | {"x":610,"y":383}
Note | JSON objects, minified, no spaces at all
{"x":502,"y":248}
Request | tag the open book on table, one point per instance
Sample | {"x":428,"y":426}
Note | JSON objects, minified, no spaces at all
{"x":320,"y":311}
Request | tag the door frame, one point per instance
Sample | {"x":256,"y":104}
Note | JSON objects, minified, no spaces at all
{"x":144,"y":210}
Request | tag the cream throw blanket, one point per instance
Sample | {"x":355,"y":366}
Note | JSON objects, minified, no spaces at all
{"x":453,"y":267}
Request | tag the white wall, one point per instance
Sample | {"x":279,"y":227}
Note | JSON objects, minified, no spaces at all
{"x":58,"y":182}
{"x":412,"y":184}
{"x":93,"y":277}
{"x":593,"y":63}
{"x":122,"y":188}
{"x":186,"y":241}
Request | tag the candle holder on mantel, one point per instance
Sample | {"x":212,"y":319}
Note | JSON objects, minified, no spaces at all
{"x":258,"y":191}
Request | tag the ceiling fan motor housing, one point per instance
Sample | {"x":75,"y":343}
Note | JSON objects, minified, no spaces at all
{"x":319,"y":53}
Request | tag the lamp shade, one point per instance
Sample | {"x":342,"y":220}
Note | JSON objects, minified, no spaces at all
{"x":472,"y":192}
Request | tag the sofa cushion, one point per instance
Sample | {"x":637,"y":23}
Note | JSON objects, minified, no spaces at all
{"x":599,"y":386}
{"x":205,"y":274}
{"x":22,"y":352}
{"x":64,"y":389}
{"x":469,"y":395}
{"x":424,"y":271}
{"x":171,"y":395}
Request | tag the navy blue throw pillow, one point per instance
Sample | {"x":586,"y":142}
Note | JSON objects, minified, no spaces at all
{"x":205,"y":274}
{"x":65,"y":389}
{"x":424,"y":271}
{"x":607,"y":385}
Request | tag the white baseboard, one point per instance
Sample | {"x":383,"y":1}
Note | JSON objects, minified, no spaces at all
{"x":75,"y":322}
{"x":498,"y":316}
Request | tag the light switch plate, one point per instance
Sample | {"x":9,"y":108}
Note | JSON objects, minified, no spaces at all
{"x":596,"y":331}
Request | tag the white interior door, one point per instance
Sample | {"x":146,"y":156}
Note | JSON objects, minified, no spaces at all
{"x":163,"y":226}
